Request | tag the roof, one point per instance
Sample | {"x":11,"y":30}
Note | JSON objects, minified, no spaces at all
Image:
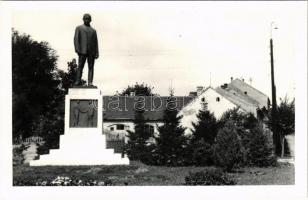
{"x":118,"y":108}
{"x":243,"y":95}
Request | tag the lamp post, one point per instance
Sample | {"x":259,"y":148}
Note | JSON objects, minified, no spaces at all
{"x":276,"y":137}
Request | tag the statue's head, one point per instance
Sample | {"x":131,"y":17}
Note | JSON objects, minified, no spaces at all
{"x":86,"y":19}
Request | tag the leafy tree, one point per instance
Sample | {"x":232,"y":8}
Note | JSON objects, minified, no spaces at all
{"x":137,"y":146}
{"x":285,"y":121}
{"x":243,"y":122}
{"x":228,"y":150}
{"x":139,"y":90}
{"x":35,"y":83}
{"x":171,"y":141}
{"x":68,"y":78}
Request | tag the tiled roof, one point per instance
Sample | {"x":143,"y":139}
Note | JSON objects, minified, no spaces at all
{"x":122,"y":107}
{"x":243,"y":95}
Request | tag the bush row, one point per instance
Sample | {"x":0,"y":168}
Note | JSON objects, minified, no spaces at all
{"x":234,"y":141}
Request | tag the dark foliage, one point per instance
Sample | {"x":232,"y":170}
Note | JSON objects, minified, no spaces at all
{"x":202,"y":154}
{"x":137,"y":146}
{"x":209,"y":177}
{"x":139,"y":90}
{"x":18,"y":157}
{"x":285,"y":123}
{"x":260,"y":150}
{"x":35,"y":83}
{"x":68,"y":78}
{"x":205,"y":128}
{"x":171,"y":142}
{"x":228,"y":150}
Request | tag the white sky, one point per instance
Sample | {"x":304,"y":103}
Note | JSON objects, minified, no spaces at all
{"x":156,"y":42}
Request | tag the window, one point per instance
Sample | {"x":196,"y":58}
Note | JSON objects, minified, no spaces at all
{"x":217,"y":99}
{"x":120,"y":126}
{"x":245,"y":92}
{"x":112,"y":128}
{"x":203,"y":99}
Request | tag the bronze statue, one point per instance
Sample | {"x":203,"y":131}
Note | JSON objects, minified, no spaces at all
{"x":86,"y":46}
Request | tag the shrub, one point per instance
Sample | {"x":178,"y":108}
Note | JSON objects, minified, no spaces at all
{"x":202,"y":154}
{"x":59,"y":181}
{"x":228,"y":150}
{"x":260,"y":151}
{"x":18,"y":157}
{"x":209,"y":177}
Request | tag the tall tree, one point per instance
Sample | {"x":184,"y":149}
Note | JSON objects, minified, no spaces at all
{"x":285,"y":121}
{"x":35,"y":83}
{"x":205,"y":128}
{"x":171,"y":141}
{"x":136,"y":147}
{"x":139,"y":90}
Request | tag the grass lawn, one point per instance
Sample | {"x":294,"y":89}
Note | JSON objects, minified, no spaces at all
{"x":140,"y":174}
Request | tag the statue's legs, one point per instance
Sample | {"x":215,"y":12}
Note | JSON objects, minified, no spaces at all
{"x":91,"y":60}
{"x":81,"y":62}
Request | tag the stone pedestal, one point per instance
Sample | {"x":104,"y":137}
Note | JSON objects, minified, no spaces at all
{"x":83,"y":142}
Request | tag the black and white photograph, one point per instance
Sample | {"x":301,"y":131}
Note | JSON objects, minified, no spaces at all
{"x":154,"y":99}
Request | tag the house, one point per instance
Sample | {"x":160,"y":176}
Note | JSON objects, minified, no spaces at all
{"x":244,"y":96}
{"x":118,"y":111}
{"x":236,"y":94}
{"x":211,"y":99}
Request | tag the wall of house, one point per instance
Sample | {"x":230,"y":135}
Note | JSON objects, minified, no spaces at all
{"x":216,"y":103}
{"x":112,"y":128}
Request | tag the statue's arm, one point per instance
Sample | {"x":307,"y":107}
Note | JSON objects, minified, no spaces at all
{"x":96,"y":43}
{"x":76,"y":40}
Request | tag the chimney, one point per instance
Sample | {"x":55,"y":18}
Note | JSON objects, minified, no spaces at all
{"x":231,"y":79}
{"x":132,"y":94}
{"x":243,"y":80}
{"x":199,"y":90}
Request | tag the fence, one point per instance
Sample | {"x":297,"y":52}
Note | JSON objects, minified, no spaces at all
{"x":29,"y":140}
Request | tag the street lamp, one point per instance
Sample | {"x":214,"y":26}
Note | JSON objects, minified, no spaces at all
{"x":273,"y":26}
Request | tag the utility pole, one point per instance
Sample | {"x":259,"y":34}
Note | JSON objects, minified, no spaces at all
{"x":276,"y":136}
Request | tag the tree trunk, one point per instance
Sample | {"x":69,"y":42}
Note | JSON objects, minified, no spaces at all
{"x":282,"y":138}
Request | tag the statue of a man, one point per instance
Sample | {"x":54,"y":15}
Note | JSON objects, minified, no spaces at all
{"x":86,"y":46}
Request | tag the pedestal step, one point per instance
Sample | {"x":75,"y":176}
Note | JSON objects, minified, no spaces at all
{"x":70,"y":157}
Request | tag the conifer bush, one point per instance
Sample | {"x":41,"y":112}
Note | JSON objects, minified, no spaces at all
{"x":171,"y":143}
{"x":228,"y":149}
{"x":138,"y":147}
{"x":260,"y":151}
{"x":202,"y":154}
{"x":203,"y":136}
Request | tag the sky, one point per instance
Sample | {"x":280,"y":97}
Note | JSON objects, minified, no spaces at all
{"x":183,"y":44}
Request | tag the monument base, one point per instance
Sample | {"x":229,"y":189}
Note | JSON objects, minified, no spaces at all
{"x":82,"y":145}
{"x":81,"y":149}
